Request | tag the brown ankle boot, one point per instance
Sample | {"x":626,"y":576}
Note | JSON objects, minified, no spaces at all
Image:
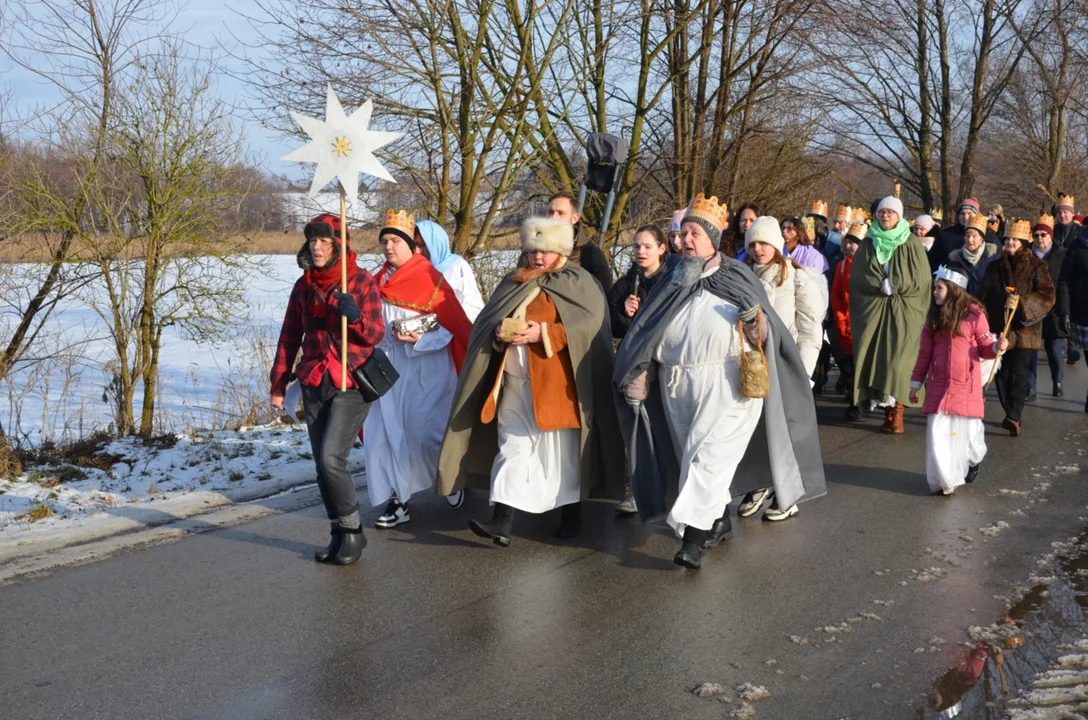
{"x":889,"y":418}
{"x":897,"y":418}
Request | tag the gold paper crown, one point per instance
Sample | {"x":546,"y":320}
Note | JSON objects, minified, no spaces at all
{"x":1019,"y":229}
{"x":1066,"y":201}
{"x":709,"y":210}
{"x":937,"y":214}
{"x":859,"y":215}
{"x":993,"y":224}
{"x":858,"y":231}
{"x":401,"y":221}
{"x":978,"y":222}
{"x":844,"y":213}
{"x":818,"y":207}
{"x":1045,"y":219}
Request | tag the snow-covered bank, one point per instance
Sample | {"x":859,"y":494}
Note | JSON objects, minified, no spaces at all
{"x":211,"y":468}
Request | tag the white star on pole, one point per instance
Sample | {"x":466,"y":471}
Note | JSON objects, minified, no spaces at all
{"x":342,"y":146}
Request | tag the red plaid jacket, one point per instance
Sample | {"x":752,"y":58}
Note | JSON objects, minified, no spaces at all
{"x":312,"y":322}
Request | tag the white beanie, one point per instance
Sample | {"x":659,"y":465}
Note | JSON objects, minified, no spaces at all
{"x":925,"y":221}
{"x":765,"y":230}
{"x":677,"y":220}
{"x":891,"y":203}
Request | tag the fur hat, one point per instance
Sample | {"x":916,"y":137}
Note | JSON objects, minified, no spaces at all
{"x":765,"y":230}
{"x":547,"y":235}
{"x":891,"y":203}
{"x":325,"y":225}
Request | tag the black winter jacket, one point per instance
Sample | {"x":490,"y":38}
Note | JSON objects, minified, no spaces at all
{"x":591,"y":259}
{"x":1073,"y":285}
{"x":1054,"y":261}
{"x":623,"y":289}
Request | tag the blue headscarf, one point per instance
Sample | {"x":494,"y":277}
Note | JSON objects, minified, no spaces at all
{"x":438,"y":245}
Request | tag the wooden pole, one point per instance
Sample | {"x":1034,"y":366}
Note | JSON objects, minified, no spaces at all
{"x":1011,"y":304}
{"x":343,"y":289}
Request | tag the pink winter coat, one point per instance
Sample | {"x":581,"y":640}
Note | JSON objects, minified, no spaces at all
{"x":954,"y":382}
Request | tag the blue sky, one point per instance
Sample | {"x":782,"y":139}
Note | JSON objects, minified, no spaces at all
{"x":204,"y":23}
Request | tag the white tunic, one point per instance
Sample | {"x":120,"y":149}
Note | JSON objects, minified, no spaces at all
{"x":463,"y":281}
{"x":535,"y":471}
{"x":403,"y":432}
{"x":710,"y":422}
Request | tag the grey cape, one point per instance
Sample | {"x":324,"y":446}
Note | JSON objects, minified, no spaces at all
{"x":470,"y":446}
{"x":785,"y":448}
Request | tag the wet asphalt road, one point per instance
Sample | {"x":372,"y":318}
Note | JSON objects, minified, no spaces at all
{"x":240,"y":623}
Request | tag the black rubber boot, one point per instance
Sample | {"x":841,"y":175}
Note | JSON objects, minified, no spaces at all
{"x":351,"y":547}
{"x":570,"y":521}
{"x":329,"y":553}
{"x":720,"y":531}
{"x":690,"y":554}
{"x":498,"y":530}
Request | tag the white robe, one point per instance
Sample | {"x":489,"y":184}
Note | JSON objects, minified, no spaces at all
{"x":535,"y":471}
{"x":711,"y":423}
{"x":403,"y":432}
{"x":463,"y":281}
{"x":953,"y":444}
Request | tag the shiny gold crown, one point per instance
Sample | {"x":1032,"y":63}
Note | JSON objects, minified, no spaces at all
{"x":978,"y":222}
{"x":1045,"y":219}
{"x":400,"y":220}
{"x":1019,"y":229}
{"x":1066,"y":201}
{"x":818,"y":207}
{"x":858,"y":231}
{"x":844,"y":213}
{"x":709,"y":210}
{"x":937,"y":214}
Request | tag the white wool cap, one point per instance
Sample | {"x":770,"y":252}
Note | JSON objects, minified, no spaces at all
{"x":677,"y":220}
{"x":925,"y":221}
{"x":891,"y":203}
{"x":547,"y":235}
{"x":765,"y":230}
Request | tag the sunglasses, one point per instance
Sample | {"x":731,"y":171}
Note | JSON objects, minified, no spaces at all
{"x":1040,"y":235}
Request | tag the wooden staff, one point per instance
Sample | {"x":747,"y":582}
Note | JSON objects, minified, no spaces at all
{"x":1011,"y":303}
{"x":343,"y":289}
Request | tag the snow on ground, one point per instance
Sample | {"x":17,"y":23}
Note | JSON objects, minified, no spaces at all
{"x":232,"y":464}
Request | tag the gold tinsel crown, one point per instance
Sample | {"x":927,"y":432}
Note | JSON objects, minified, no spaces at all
{"x":709,"y":210}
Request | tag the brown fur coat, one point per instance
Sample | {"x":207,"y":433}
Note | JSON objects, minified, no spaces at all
{"x":1029,"y":277}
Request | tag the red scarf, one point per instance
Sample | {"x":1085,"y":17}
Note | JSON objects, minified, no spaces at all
{"x":417,"y":285}
{"x":324,"y":279}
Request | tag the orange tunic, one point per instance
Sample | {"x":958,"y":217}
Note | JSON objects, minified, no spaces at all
{"x":551,"y":376}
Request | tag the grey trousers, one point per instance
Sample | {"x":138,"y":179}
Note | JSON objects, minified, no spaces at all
{"x":333,"y":419}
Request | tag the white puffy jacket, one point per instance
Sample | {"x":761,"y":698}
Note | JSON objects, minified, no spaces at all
{"x":801,"y":303}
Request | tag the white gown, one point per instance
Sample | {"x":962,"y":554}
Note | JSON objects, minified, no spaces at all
{"x":403,"y":431}
{"x":535,"y":471}
{"x":710,"y":422}
{"x":953,"y":444}
{"x":463,"y":281}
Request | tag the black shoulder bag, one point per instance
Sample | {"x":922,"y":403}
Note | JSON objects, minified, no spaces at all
{"x":374,"y":377}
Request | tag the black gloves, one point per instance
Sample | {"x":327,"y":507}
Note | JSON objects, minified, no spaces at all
{"x":347,"y":306}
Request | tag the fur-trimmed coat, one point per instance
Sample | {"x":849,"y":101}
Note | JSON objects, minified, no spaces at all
{"x":1030,"y":279}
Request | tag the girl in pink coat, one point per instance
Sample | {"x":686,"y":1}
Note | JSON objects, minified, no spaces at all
{"x":955,"y":338}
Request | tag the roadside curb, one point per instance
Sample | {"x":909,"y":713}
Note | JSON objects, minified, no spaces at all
{"x":156,"y":521}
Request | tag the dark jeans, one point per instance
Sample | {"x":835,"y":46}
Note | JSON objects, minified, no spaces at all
{"x":1055,"y":357}
{"x":1012,"y":381}
{"x":333,"y":419}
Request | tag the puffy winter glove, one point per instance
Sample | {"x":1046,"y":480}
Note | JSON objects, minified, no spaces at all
{"x":748,"y":310}
{"x":347,"y":306}
{"x":1063,"y":324}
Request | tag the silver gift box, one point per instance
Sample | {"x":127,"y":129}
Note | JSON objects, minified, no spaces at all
{"x":418,"y":324}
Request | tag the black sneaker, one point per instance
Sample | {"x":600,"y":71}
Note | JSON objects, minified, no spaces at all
{"x":853,"y":413}
{"x":396,"y":513}
{"x":1030,"y":397}
{"x":972,"y":474}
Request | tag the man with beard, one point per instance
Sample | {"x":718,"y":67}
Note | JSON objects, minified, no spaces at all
{"x":561,"y":206}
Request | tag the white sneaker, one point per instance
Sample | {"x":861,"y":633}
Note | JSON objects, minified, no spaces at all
{"x":775,"y":514}
{"x":395,"y":514}
{"x":457,"y":499}
{"x":753,"y":501}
